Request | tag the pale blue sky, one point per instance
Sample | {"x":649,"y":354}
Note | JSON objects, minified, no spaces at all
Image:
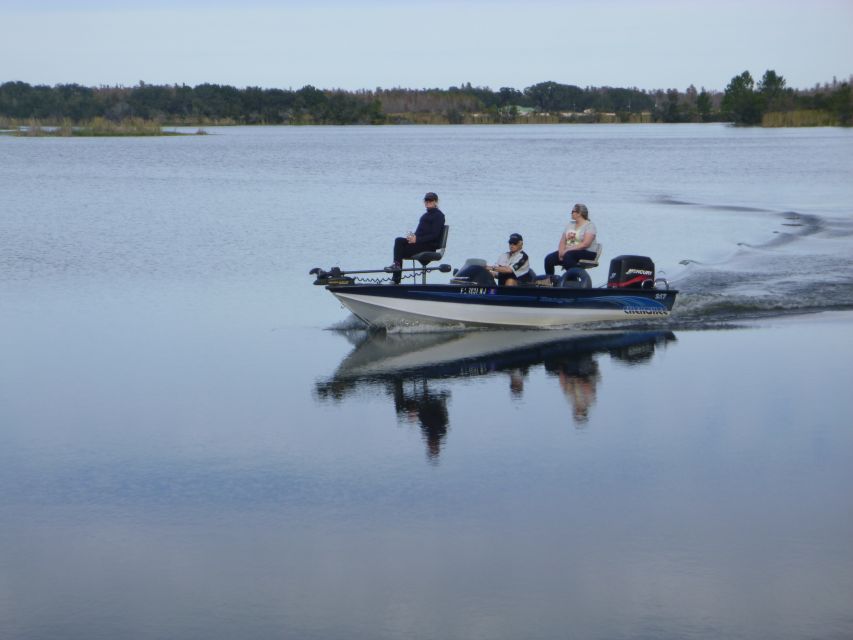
{"x":649,"y":44}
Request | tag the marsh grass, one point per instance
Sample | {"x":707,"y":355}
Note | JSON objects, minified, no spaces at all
{"x":97,"y":127}
{"x":800,"y":118}
{"x":129,"y":127}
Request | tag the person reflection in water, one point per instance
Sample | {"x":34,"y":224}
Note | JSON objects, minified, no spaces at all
{"x":578,"y":378}
{"x":418,"y":404}
{"x":517,"y":377}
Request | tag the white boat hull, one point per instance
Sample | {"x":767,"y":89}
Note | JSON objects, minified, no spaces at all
{"x":426,"y":305}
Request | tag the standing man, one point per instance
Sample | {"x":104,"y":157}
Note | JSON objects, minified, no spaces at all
{"x":425,"y":238}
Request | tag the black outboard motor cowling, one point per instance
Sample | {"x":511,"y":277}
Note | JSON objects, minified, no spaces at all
{"x":474,"y":274}
{"x":631,"y":271}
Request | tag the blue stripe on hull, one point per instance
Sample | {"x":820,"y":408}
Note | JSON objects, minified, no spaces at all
{"x":649,"y":302}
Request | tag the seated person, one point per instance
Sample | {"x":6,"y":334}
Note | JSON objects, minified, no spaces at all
{"x":513,"y":266}
{"x":426,"y":237}
{"x":577,"y":242}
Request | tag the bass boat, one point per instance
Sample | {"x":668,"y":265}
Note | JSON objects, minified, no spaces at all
{"x":472,"y":298}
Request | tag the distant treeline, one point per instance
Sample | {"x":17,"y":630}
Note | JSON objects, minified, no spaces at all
{"x":742,"y":102}
{"x":771,"y":103}
{"x":212,"y":103}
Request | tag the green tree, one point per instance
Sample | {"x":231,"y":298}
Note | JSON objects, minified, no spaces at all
{"x":619,"y":100}
{"x":672,"y":110}
{"x":774,"y":95}
{"x":217,"y":101}
{"x":703,"y":105}
{"x":552,"y":96}
{"x":310,"y":97}
{"x":507,"y":96}
{"x":740,"y":102}
{"x":17,"y":99}
{"x":150,"y":101}
{"x":486,"y":96}
{"x":841,"y":104}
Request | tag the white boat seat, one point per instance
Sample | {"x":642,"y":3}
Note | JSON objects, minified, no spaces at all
{"x":591,"y":262}
{"x":425,"y":257}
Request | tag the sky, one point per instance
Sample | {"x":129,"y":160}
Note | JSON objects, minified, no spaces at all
{"x":365,"y":44}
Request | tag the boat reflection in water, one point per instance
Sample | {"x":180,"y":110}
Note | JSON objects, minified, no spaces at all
{"x":410,"y":367}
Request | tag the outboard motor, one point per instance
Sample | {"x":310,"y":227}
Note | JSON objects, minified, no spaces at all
{"x":631,"y":271}
{"x":474,"y":272}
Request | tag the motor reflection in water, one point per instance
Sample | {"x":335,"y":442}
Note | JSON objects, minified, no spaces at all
{"x":410,"y":367}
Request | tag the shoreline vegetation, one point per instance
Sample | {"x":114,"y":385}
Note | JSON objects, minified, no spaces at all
{"x":97,"y":127}
{"x":149,"y":110}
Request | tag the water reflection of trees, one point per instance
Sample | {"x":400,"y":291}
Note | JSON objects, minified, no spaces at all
{"x":409,"y":368}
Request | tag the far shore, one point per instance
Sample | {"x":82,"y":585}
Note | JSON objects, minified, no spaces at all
{"x":99,"y":127}
{"x":142,"y":128}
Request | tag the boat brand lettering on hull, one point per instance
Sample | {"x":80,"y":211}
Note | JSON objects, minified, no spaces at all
{"x":646,"y":312}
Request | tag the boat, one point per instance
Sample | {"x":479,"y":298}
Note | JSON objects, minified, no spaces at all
{"x":472,"y":298}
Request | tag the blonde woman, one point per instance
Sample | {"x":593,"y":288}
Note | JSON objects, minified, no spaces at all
{"x":577,"y":242}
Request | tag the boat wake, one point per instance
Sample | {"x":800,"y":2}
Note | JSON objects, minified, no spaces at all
{"x":806,"y":265}
{"x":351,"y":323}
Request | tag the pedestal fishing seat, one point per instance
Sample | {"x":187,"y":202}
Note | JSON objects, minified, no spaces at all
{"x":425,"y":257}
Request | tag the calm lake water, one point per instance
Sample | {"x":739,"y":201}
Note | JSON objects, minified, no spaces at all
{"x":197,"y":443}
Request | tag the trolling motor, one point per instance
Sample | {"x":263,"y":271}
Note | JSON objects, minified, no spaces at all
{"x":332,"y":276}
{"x":337,"y":276}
